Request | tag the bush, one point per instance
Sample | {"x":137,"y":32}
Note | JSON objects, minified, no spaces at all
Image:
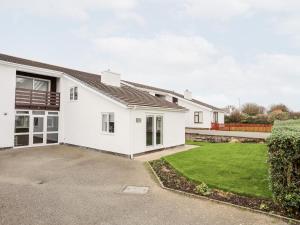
{"x":202,"y":189}
{"x":284,"y":159}
{"x":278,"y":115}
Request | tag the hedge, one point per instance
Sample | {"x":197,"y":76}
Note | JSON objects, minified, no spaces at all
{"x":284,"y":159}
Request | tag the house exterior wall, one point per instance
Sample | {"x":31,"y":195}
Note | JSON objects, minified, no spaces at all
{"x":189,"y":116}
{"x":173,"y":129}
{"x":82,"y":120}
{"x":129,"y":137}
{"x":7,"y":105}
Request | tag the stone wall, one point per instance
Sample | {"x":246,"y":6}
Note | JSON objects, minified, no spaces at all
{"x":221,"y":139}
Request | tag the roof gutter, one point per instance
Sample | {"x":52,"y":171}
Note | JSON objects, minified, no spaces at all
{"x":156,"y":108}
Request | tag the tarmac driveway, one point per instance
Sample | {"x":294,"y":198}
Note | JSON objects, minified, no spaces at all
{"x":67,"y":186}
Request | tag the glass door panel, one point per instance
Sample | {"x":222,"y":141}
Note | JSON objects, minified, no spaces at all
{"x":38,"y":130}
{"x":149,"y":130}
{"x":159,"y":130}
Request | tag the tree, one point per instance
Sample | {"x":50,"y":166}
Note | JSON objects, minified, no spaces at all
{"x":279,"y":107}
{"x":234,"y":117}
{"x":253,"y":109}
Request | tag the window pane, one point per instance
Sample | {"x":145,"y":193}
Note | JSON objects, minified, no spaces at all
{"x":201,"y":117}
{"x":52,"y":123}
{"x":38,"y":139}
{"x":41,"y":85}
{"x":71,"y":94}
{"x":75,"y":93}
{"x":22,"y":124}
{"x":149,"y":131}
{"x":38,"y":112}
{"x":111,"y":123}
{"x":159,"y":130}
{"x":21,"y":140}
{"x":52,"y":113}
{"x":22,"y":112}
{"x":23,"y":82}
{"x":104,"y":122}
{"x":52,"y":138}
{"x":38,"y":124}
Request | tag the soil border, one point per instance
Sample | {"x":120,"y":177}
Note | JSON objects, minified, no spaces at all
{"x":284,"y":218}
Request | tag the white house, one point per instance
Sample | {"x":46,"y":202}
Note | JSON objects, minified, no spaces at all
{"x":199,"y":115}
{"x":43,"y":104}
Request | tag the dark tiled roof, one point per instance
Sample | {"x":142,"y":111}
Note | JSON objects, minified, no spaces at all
{"x":171,"y":92}
{"x":124,"y":94}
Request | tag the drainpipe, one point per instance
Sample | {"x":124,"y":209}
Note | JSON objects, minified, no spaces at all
{"x":133,"y":132}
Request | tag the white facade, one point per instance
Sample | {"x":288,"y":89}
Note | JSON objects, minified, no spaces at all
{"x":7,"y":105}
{"x":80,"y":120}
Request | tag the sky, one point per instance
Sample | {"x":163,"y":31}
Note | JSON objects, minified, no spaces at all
{"x":223,"y":51}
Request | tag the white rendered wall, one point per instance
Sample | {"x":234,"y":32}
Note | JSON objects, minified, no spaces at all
{"x":189,"y":117}
{"x":7,"y":105}
{"x":173,"y":129}
{"x":82,"y":120}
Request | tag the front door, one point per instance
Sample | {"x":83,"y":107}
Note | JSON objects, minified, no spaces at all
{"x":38,"y":129}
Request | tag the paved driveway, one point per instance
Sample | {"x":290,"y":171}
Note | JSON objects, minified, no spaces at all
{"x":67,"y":186}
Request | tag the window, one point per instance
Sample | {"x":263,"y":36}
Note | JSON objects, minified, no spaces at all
{"x":216,"y":117}
{"x":108,"y":122}
{"x":175,"y":100}
{"x":74,"y":93}
{"x":71,"y":93}
{"x":160,"y":96}
{"x":33,"y":83}
{"x":198,"y":117}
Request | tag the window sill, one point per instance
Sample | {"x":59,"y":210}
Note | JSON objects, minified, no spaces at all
{"x":107,"y":133}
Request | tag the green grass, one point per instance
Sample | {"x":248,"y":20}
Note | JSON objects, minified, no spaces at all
{"x":238,"y":168}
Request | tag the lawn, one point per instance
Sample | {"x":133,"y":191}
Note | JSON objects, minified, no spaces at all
{"x":238,"y":168}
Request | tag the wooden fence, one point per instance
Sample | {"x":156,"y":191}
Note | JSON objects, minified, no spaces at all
{"x":242,"y":127}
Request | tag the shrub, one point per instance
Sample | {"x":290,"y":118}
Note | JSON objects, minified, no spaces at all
{"x":278,"y":115}
{"x":279,"y":107}
{"x":202,"y":189}
{"x":284,"y":159}
{"x":252,"y":109}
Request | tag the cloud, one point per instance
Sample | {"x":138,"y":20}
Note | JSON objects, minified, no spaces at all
{"x":76,"y":9}
{"x":224,"y":10}
{"x":180,"y":62}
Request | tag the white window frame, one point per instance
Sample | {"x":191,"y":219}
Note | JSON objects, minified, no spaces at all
{"x":154,"y":145}
{"x":34,"y":79}
{"x":107,"y":114}
{"x":72,"y":93}
{"x":200,"y":117}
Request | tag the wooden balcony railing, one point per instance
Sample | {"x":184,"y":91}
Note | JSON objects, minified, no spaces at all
{"x":39,"y":100}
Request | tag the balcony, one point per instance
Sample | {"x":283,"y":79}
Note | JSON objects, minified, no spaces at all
{"x":37,"y":100}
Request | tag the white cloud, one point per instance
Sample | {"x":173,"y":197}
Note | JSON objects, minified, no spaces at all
{"x":77,"y":9}
{"x":180,"y":62}
{"x":226,"y":9}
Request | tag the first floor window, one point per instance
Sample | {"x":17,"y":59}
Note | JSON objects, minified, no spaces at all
{"x":198,"y":117}
{"x":71,"y":93}
{"x":216,"y":117}
{"x":74,"y":93}
{"x":108,"y":122}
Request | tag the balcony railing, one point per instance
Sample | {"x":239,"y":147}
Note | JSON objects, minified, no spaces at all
{"x":32,"y":99}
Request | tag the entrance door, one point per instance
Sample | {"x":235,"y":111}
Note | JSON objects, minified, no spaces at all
{"x":38,"y":129}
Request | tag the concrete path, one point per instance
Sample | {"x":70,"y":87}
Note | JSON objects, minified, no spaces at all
{"x":62,"y":185}
{"x":261,"y":135}
{"x":157,"y":155}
